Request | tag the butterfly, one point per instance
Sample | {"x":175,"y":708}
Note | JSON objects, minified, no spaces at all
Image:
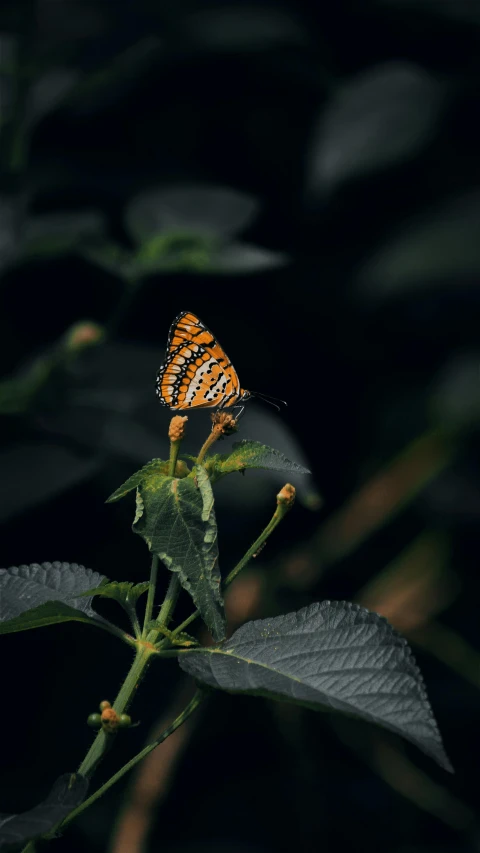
{"x":197,"y":373}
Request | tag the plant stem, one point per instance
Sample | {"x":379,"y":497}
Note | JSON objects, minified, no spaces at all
{"x":278,"y":515}
{"x":151,"y":594}
{"x":174,"y":450}
{"x":117,"y":632}
{"x":215,"y":434}
{"x":187,"y":711}
{"x":127,"y":691}
{"x":168,"y":606}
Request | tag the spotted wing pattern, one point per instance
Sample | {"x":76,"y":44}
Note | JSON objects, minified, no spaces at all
{"x":197,"y":372}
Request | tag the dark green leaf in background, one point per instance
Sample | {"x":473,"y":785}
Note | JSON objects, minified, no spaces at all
{"x":329,"y":656}
{"x":377,"y":118}
{"x":37,"y":595}
{"x":67,"y":793}
{"x":433,"y":247}
{"x":190,"y":209}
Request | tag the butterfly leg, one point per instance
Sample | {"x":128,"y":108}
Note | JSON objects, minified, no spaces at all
{"x":237,"y":417}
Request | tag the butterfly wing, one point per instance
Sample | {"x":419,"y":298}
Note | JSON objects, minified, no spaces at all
{"x":197,"y":372}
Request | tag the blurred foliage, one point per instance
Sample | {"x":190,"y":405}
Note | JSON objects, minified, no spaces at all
{"x":306,"y":177}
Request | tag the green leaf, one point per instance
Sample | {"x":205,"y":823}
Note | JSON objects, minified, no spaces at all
{"x":178,"y":524}
{"x":251,"y":454}
{"x":328,"y":656}
{"x":67,"y":793}
{"x":155,"y":468}
{"x":125,"y":592}
{"x":196,"y":210}
{"x":37,"y":595}
{"x":176,"y":251}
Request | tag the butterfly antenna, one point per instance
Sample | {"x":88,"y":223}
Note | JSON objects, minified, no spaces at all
{"x":273,"y":401}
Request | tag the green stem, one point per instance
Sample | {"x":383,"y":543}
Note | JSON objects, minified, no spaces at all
{"x":280,"y":512}
{"x":103,"y":740}
{"x":117,"y":632}
{"x":174,"y":450}
{"x":168,"y":606}
{"x":151,"y":594}
{"x":212,"y":438}
{"x":187,"y":711}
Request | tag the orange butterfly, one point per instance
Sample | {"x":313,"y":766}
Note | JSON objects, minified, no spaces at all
{"x":197,"y":373}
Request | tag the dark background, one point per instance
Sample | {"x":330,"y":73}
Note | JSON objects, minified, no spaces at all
{"x":306,"y":177}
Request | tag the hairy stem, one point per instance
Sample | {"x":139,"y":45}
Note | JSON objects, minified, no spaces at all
{"x":168,"y":606}
{"x":151,"y":594}
{"x":117,"y":632}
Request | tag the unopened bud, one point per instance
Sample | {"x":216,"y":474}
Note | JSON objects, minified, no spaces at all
{"x":110,"y":719}
{"x":83,"y":334}
{"x":105,"y":704}
{"x":286,"y":496}
{"x":176,"y":430}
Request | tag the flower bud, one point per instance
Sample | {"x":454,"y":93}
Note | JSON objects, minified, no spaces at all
{"x":110,"y":719}
{"x":176,"y":430}
{"x":286,"y":496}
{"x":83,"y":334}
{"x":105,"y":704}
{"x":94,"y":721}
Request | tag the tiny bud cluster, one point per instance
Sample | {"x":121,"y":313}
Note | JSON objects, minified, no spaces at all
{"x":176,"y":430}
{"x":108,"y":719}
{"x":224,"y":423}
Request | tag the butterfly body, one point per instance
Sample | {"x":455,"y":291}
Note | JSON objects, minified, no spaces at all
{"x":197,"y":372}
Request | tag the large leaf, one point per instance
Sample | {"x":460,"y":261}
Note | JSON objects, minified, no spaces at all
{"x":437,"y":246}
{"x":177,"y":521}
{"x":37,"y":595}
{"x":33,"y":473}
{"x":191,"y":209}
{"x":67,"y":793}
{"x":251,"y":454}
{"x":379,"y":117}
{"x":329,"y":656}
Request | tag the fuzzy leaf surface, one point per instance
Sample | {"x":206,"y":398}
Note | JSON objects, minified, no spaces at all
{"x":154,"y":468}
{"x":37,"y":595}
{"x":251,"y":454}
{"x":124,"y":592}
{"x":178,"y":524}
{"x":328,"y":656}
